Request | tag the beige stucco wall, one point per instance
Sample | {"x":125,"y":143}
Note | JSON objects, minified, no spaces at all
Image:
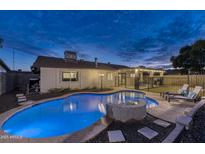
{"x":52,"y":78}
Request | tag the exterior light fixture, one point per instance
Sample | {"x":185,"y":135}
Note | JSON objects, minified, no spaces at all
{"x":136,"y":70}
{"x":101,"y":74}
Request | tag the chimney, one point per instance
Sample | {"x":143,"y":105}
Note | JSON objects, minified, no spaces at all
{"x":70,"y":55}
{"x":96,"y":62}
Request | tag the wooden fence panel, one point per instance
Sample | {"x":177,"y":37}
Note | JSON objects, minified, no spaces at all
{"x":179,"y":80}
{"x":2,"y":83}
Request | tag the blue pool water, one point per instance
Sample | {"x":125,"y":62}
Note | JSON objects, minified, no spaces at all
{"x":68,"y":115}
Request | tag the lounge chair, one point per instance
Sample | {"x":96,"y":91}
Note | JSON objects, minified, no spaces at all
{"x":21,"y":98}
{"x":182,"y":91}
{"x":192,"y":96}
{"x":19,"y":95}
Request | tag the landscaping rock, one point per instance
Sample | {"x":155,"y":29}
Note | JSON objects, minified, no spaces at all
{"x":129,"y":130}
{"x":196,"y":133}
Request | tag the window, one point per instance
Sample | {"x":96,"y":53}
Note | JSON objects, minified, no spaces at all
{"x":156,"y":74}
{"x":70,"y":76}
{"x":109,"y":76}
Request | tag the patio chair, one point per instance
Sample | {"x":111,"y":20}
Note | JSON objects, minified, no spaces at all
{"x":21,"y":98}
{"x":19,"y":95}
{"x":182,"y":91}
{"x":193,"y":96}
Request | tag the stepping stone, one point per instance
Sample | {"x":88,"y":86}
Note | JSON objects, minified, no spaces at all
{"x":116,"y":136}
{"x":162,"y":123}
{"x":147,"y":132}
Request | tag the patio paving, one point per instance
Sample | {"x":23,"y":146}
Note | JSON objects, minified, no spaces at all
{"x":161,"y":123}
{"x":168,"y":111}
{"x":148,"y":133}
{"x":115,"y":136}
{"x":7,"y":102}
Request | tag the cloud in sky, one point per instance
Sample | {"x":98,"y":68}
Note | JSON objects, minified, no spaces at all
{"x":167,"y":40}
{"x":125,"y":37}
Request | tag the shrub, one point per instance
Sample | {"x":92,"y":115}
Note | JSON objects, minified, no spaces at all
{"x":66,"y":90}
{"x":55,"y":90}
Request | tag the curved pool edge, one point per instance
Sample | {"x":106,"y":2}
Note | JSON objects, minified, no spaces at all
{"x":82,"y":135}
{"x":79,"y":136}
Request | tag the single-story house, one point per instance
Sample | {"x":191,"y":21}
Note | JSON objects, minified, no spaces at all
{"x":4,"y":69}
{"x":69,"y":72}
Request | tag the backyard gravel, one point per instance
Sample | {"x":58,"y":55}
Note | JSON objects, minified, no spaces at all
{"x":130,"y":133}
{"x":196,"y":134}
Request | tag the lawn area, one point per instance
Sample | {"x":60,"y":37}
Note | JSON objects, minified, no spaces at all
{"x":163,"y":89}
{"x":169,"y":89}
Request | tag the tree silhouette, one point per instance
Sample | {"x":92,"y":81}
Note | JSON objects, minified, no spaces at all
{"x":190,"y":57}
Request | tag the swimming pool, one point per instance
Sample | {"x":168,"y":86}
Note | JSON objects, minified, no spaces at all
{"x":67,"y":115}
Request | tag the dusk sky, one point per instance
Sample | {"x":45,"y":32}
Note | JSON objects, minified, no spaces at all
{"x":130,"y":38}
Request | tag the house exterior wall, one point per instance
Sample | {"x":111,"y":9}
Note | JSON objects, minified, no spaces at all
{"x":51,"y":78}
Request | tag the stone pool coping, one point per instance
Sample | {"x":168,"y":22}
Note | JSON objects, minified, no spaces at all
{"x":79,"y":136}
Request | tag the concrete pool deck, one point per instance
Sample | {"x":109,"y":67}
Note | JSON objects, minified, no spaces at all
{"x":168,"y":111}
{"x":165,"y":111}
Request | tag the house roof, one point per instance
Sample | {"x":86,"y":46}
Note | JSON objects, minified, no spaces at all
{"x":53,"y":62}
{"x":4,"y":65}
{"x":149,"y":68}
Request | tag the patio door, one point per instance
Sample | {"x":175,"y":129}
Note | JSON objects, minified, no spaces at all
{"x":122,"y":79}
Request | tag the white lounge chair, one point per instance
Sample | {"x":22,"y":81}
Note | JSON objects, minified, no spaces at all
{"x":19,"y":95}
{"x":21,"y":98}
{"x":192,"y":96}
{"x":181,"y":91}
